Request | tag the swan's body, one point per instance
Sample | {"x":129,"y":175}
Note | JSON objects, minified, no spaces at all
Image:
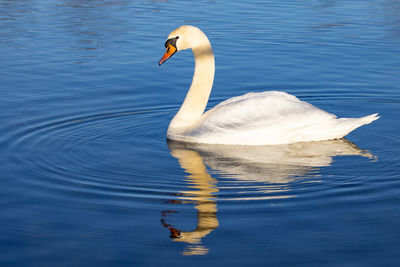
{"x":266,"y":118}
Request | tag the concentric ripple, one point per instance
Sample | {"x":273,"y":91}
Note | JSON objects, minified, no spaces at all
{"x":123,"y":157}
{"x":95,"y":155}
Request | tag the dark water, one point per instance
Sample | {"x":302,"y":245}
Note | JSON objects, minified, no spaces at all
{"x":88,"y":179}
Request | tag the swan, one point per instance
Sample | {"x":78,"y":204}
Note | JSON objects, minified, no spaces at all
{"x":265,"y":118}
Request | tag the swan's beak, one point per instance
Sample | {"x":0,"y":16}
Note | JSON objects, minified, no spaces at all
{"x":170,"y":51}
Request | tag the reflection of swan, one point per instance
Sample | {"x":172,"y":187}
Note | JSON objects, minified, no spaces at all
{"x":205,"y":187}
{"x":253,"y":119}
{"x":270,"y":165}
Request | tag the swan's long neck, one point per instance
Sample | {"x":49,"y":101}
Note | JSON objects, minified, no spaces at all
{"x":200,"y":89}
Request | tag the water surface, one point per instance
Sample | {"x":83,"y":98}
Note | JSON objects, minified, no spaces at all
{"x":88,"y":178}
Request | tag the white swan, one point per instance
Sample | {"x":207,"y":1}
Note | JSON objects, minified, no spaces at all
{"x":266,"y":118}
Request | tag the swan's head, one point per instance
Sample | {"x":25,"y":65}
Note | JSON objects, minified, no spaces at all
{"x":184,"y":37}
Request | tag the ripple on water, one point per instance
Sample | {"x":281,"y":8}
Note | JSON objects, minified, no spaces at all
{"x":122,"y":157}
{"x":95,"y":155}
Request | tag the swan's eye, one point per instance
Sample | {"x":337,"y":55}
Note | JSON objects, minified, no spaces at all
{"x":171,"y":41}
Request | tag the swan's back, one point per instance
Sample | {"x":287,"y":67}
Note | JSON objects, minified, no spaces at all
{"x":251,"y":109}
{"x":266,"y":118}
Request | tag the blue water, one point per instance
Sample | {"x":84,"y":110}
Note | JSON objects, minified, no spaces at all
{"x":88,"y":178}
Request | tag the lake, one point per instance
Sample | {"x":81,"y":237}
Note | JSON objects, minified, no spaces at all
{"x":89,"y":179}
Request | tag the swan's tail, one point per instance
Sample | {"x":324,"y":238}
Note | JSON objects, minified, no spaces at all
{"x":368,"y":119}
{"x":349,"y":124}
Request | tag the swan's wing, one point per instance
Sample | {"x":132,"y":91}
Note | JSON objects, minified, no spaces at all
{"x":255,"y":110}
{"x":269,"y":118}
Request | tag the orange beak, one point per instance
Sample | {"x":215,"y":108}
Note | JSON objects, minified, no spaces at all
{"x":170,"y":51}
